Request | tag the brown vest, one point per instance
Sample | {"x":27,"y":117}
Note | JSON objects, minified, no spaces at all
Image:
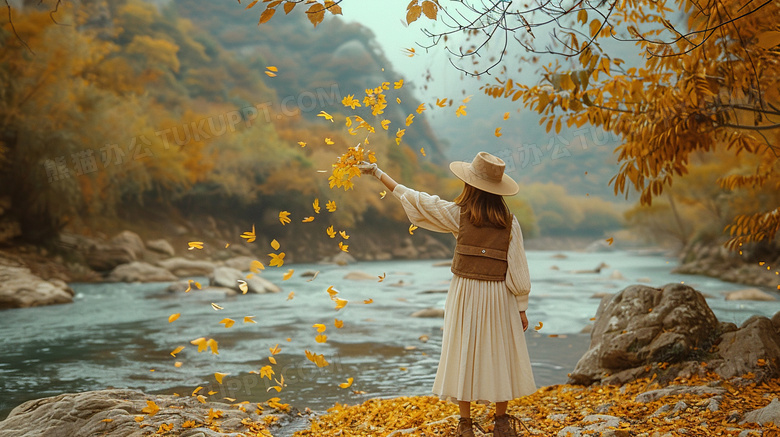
{"x":481,"y":252}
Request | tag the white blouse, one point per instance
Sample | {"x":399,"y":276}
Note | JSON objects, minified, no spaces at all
{"x":433,"y":213}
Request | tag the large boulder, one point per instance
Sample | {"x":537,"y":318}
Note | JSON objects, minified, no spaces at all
{"x":755,"y":347}
{"x":19,"y":288}
{"x":161,"y":246}
{"x":103,"y":257}
{"x":228,"y":278}
{"x":183,"y":267}
{"x":139,"y":271}
{"x":642,"y":325}
{"x":131,"y":241}
{"x":113,"y":413}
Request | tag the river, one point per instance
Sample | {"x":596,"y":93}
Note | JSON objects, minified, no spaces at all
{"x":118,"y":335}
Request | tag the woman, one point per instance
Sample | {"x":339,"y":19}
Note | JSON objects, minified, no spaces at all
{"x":484,"y":355}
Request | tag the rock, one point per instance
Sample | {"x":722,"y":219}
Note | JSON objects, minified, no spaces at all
{"x":442,"y":264}
{"x":241,"y":263}
{"x":776,"y":322}
{"x":161,"y":246}
{"x":740,"y":350}
{"x":112,"y":413}
{"x":601,"y":295}
{"x":228,"y":278}
{"x":559,"y":256}
{"x":343,"y":259}
{"x":183,"y":267}
{"x":616,"y":275}
{"x":19,"y":288}
{"x":309,"y":273}
{"x":104,"y":257}
{"x":598,"y":269}
{"x":644,"y":279}
{"x":554,"y":267}
{"x":139,"y":271}
{"x":643,"y":326}
{"x":360,"y":276}
{"x":750,"y":294}
{"x":429,"y":312}
{"x":770,"y":413}
{"x":131,"y":241}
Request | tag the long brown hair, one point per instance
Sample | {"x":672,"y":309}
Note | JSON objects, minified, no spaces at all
{"x":483,"y":208}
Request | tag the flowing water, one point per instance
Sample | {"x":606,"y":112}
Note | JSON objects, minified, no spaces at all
{"x":118,"y":335}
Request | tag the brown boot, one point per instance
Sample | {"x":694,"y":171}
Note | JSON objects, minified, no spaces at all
{"x":506,"y":426}
{"x":465,"y":428}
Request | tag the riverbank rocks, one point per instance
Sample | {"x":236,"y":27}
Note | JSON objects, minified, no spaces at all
{"x":750,"y":294}
{"x":161,"y":246}
{"x":671,"y":331}
{"x":360,"y":276}
{"x":228,"y":277}
{"x":20,"y":288}
{"x":139,"y":271}
{"x":184,"y":268}
{"x":429,"y":313}
{"x":131,"y":413}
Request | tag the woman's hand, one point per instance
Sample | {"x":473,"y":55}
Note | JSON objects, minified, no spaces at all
{"x":367,"y":168}
{"x":525,"y":320}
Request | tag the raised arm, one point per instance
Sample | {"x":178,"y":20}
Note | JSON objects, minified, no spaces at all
{"x":383,"y":177}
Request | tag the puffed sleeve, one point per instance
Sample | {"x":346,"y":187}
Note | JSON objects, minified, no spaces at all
{"x":518,"y":279}
{"x":427,"y":211}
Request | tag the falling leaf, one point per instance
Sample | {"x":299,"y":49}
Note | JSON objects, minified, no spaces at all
{"x":288,"y":275}
{"x":340,"y":303}
{"x":332,"y":292}
{"x":173,"y":317}
{"x":272,"y":68}
{"x":539,"y":326}
{"x":382,"y":278}
{"x":269,"y":73}
{"x":216,"y":307}
{"x":409,"y":52}
{"x":347,"y":384}
{"x":422,"y":150}
{"x":266,"y":372}
{"x":200,"y":343}
{"x":314,"y":276}
{"x":320,"y":327}
{"x":398,"y":100}
{"x":228,"y":322}
{"x":326,"y":116}
{"x":308,"y":219}
{"x":107,"y":420}
{"x":441,"y":102}
{"x":409,"y":119}
{"x":316,"y":206}
{"x":212,"y":344}
{"x":275,"y":349}
{"x":194,"y":392}
{"x":467,"y":99}
{"x":420,"y":108}
{"x":218,"y":376}
{"x":329,"y":142}
{"x":385,"y":124}
{"x":506,"y":116}
{"x":272,"y":360}
{"x":344,"y":235}
{"x":412,"y":228}
{"x":322,"y":338}
{"x":338,"y":323}
{"x":249,"y":236}
{"x":276,"y":260}
{"x":242,"y":285}
{"x":331,"y":205}
{"x":398,"y":84}
{"x":291,"y":295}
{"x":176,"y":351}
{"x":275,"y":244}
{"x":302,"y":143}
{"x":497,"y":133}
{"x":610,"y":240}
{"x":151,"y":408}
{"x":331,"y":232}
{"x":201,"y":399}
{"x":461,"y":111}
{"x":368,"y":301}
{"x":382,"y":194}
{"x":317,"y":359}
{"x":343,"y":247}
{"x":255,"y":266}
{"x":284,"y":217}
{"x":195,"y":245}
{"x":177,"y":364}
{"x":249,"y":319}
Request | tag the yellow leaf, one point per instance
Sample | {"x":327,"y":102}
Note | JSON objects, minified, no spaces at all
{"x":242,"y":285}
{"x":398,"y":84}
{"x":107,"y":420}
{"x":212,"y":344}
{"x":582,"y":16}
{"x":410,"y":52}
{"x":194,"y":392}
{"x":316,"y":206}
{"x":382,"y":194}
{"x":413,"y":12}
{"x":272,"y":68}
{"x":216,"y":307}
{"x":195,"y":245}
{"x":320,"y":327}
{"x":151,"y":408}
{"x":331,"y":205}
{"x":177,"y":364}
{"x":338,"y":323}
{"x":344,"y":235}
{"x":319,"y":360}
{"x":322,"y":338}
{"x":270,"y":73}
{"x":276,"y":260}
{"x":343,"y":247}
{"x":409,"y":119}
{"x":441,"y":102}
{"x":385,"y":124}
{"x":173,"y":317}
{"x":497,"y":133}
{"x":228,"y":322}
{"x":506,"y":116}
{"x":266,"y":15}
{"x":422,"y":150}
{"x":768,"y":40}
{"x":368,"y":301}
{"x":610,"y":240}
{"x":255,"y":266}
{"x":346,"y":384}
{"x":382,"y":278}
{"x":275,"y":244}
{"x":467,"y":99}
{"x":290,"y":295}
{"x":177,"y":350}
{"x":329,"y":142}
{"x":288,"y":275}
{"x":412,"y":228}
{"x":139,"y":418}
{"x":266,"y":372}
{"x":308,"y":219}
{"x":218,"y":376}
{"x":249,"y":236}
{"x":332,"y":292}
{"x":275,"y":349}
{"x":398,"y":100}
{"x":201,"y":343}
{"x":331,"y":232}
{"x":302,"y":143}
{"x":284,"y":218}
{"x":340,"y":303}
{"x":272,"y":360}
{"x":595,"y":25}
{"x":461,"y":111}
{"x":201,"y":399}
{"x":326,"y":116}
{"x":249,"y":319}
{"x":430,"y":9}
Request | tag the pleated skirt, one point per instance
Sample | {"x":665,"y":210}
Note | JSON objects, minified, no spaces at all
{"x":484,"y":356}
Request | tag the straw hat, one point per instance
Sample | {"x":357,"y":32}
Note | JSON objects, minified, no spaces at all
{"x":486,"y":172}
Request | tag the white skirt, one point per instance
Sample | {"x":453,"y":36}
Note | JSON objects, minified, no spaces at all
{"x":484,"y":356}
